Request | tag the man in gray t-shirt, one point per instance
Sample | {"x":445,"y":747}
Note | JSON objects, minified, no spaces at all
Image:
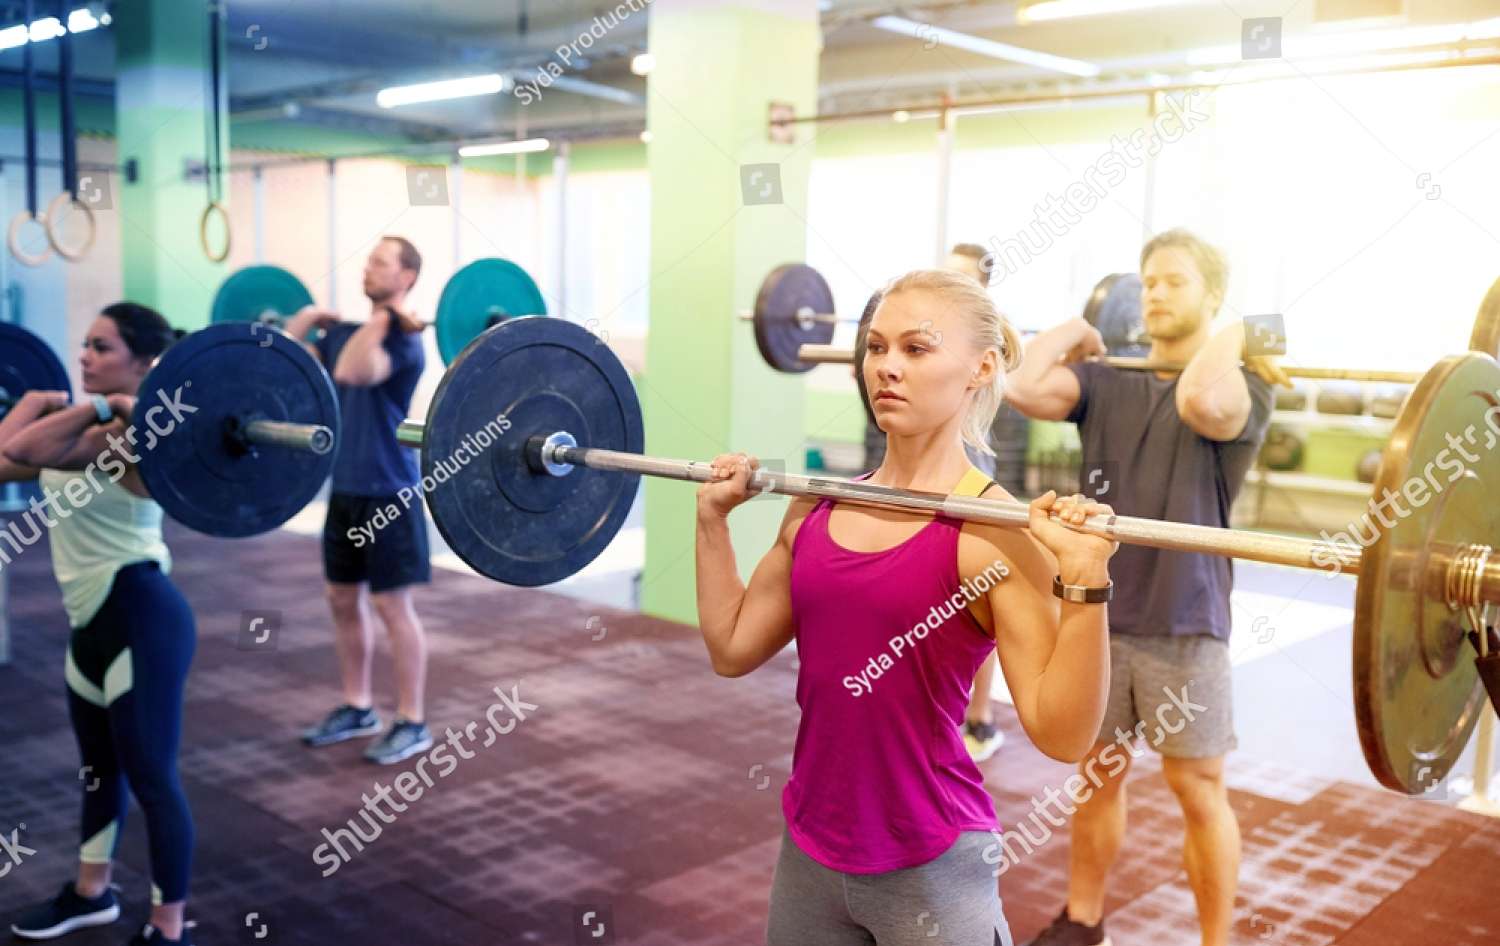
{"x":1175,"y":447}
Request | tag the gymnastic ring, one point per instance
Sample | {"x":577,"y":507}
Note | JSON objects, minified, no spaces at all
{"x":13,"y":239}
{"x":53,"y":211}
{"x":208,"y":212}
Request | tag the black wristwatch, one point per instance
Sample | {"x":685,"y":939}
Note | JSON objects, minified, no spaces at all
{"x":1082,"y":594}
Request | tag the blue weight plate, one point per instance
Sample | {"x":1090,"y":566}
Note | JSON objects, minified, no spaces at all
{"x":260,"y":293}
{"x":1114,"y":308}
{"x":480,"y":295}
{"x":27,"y":364}
{"x":223,"y":375}
{"x":789,"y":289}
{"x":522,"y":378}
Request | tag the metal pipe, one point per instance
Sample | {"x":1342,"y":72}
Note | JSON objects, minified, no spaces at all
{"x":333,"y":235}
{"x":314,"y":438}
{"x":834,"y":355}
{"x":804,"y":316}
{"x":947,"y":129}
{"x":1126,"y":91}
{"x":259,"y":214}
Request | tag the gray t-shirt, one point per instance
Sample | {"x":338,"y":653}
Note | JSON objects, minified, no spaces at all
{"x":1142,"y":459}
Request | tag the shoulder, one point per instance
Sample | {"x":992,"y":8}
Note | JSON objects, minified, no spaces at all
{"x":797,"y":511}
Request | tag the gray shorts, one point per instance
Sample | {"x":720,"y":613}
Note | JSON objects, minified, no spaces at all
{"x":952,"y":899}
{"x":1173,"y":693}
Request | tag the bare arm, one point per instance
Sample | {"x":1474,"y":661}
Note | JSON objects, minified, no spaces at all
{"x":364,"y":362}
{"x":742,"y":627}
{"x":68,"y":439}
{"x":1054,"y":653}
{"x":32,"y":406}
{"x":1043,"y":388}
{"x":309,"y":318}
{"x":1212,"y":397}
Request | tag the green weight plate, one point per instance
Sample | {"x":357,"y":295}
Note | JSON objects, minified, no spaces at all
{"x":260,"y":294}
{"x":482,"y":294}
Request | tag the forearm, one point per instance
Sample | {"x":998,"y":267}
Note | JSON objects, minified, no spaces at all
{"x":1074,"y":688}
{"x":1213,"y":379}
{"x":364,"y":360}
{"x":1044,"y":351}
{"x":48,"y":441}
{"x":721,"y":593}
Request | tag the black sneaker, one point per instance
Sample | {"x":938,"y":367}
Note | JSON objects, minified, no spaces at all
{"x":65,"y":913}
{"x":346,"y":722}
{"x":151,"y":936}
{"x":404,"y":740}
{"x":982,"y":739}
{"x":1065,"y":932}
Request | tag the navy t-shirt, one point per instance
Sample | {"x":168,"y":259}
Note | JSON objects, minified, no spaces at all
{"x":370,"y":462}
{"x":1142,"y":459}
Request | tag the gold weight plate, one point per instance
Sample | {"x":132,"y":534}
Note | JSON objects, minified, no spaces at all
{"x":1416,"y":692}
{"x":1486,"y":337}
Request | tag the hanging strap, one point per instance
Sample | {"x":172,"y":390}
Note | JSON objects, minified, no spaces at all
{"x":28,"y":96}
{"x":69,"y":149}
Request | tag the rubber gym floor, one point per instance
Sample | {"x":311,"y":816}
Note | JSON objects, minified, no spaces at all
{"x":643,"y":788}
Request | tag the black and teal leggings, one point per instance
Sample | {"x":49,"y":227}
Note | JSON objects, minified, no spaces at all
{"x":126,"y":671}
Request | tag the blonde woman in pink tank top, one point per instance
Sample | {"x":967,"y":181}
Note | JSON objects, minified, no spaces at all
{"x":888,"y":827}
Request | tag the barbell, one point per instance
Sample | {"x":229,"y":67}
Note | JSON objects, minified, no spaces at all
{"x":794,"y":325}
{"x":480,"y":294}
{"x":551,"y":493}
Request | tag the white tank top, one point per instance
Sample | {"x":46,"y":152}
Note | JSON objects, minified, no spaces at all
{"x":106,"y":527}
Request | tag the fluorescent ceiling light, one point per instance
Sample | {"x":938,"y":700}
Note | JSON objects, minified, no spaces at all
{"x":437,"y":91}
{"x":1066,"y":9}
{"x":79,"y":21}
{"x":642,"y":64}
{"x":505,"y":147}
{"x":984,"y":47}
{"x":1357,"y":42}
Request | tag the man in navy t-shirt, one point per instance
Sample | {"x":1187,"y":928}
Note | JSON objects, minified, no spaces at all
{"x":375,"y":537}
{"x":1174,"y":447}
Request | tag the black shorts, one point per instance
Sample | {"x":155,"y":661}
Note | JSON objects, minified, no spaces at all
{"x":377,"y":539}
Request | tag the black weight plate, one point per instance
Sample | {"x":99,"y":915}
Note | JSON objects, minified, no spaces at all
{"x":789,"y":289}
{"x":506,"y":521}
{"x":260,"y":293}
{"x":1114,"y":308}
{"x":27,"y":364}
{"x":860,"y":339}
{"x":230,"y":373}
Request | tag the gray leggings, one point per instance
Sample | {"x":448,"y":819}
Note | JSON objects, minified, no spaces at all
{"x":953,"y":900}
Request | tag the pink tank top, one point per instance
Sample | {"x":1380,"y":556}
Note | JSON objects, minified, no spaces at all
{"x":888,"y":650}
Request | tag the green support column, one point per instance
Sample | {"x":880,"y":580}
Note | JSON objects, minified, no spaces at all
{"x":717,"y":228}
{"x":162,"y":118}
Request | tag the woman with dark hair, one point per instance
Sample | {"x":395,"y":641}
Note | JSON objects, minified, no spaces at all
{"x":133,"y":633}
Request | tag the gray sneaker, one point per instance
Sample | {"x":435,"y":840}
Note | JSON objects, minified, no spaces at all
{"x":346,"y":722}
{"x":404,"y":740}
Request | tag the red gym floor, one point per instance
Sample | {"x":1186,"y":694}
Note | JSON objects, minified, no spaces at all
{"x":644,"y":788}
